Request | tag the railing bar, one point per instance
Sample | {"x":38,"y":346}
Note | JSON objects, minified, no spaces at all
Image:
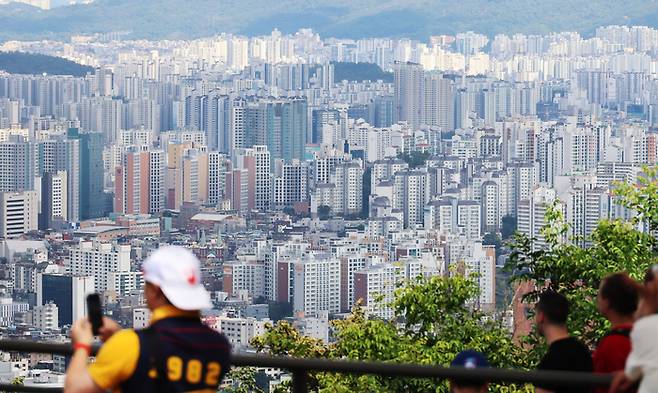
{"x":39,"y":347}
{"x":387,"y":369}
{"x":424,"y":371}
{"x":22,"y":388}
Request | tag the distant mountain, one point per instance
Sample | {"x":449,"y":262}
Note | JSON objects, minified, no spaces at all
{"x":338,"y":18}
{"x":29,"y":63}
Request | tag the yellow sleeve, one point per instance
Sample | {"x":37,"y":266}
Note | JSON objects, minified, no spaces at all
{"x":116,"y":361}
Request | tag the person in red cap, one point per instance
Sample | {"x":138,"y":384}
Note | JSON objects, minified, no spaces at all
{"x":175,"y":353}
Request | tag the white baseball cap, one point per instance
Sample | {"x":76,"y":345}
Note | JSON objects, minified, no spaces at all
{"x":176,"y":271}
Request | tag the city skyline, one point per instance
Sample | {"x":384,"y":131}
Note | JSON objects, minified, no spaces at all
{"x":314,"y":177}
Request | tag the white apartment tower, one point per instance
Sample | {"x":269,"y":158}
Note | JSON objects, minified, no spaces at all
{"x":531,"y":215}
{"x":64,"y":155}
{"x":18,"y":164}
{"x":409,"y":93}
{"x":54,"y":196}
{"x":218,"y":167}
{"x":99,"y":260}
{"x":410,"y":195}
{"x":316,"y":284}
{"x":263,"y":177}
{"x":375,"y":287}
{"x":348,"y":188}
{"x":290,"y":182}
{"x":19,"y":213}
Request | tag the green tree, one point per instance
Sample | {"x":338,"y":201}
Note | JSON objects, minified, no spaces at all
{"x":19,"y":381}
{"x":243,"y":381}
{"x":508,"y":227}
{"x":492,"y":239}
{"x":577,"y":271}
{"x":324,"y":212}
{"x":414,"y":158}
{"x":434,"y":320}
{"x":37,"y":64}
{"x":360,"y":72}
{"x":641,"y":197}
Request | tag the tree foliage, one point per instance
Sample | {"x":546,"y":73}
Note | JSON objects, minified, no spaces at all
{"x":492,"y":239}
{"x":324,"y":212}
{"x":509,"y":224}
{"x":433,"y":322}
{"x":415,"y":19}
{"x":360,"y":72}
{"x":243,"y":380}
{"x":414,"y":158}
{"x":434,"y":318}
{"x":642,"y":197}
{"x":577,"y":271}
{"x":37,"y":64}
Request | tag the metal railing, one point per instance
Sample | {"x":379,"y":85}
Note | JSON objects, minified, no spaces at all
{"x":300,"y":368}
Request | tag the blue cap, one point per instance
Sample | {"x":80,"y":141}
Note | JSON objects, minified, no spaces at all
{"x":470,"y":359}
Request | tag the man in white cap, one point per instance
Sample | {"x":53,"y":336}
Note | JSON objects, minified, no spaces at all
{"x":176,"y":353}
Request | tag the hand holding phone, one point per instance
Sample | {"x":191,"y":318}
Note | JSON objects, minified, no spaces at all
{"x":94,"y":312}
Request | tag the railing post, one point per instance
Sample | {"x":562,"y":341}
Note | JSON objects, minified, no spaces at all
{"x":299,"y":381}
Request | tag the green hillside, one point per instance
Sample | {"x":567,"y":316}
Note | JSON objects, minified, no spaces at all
{"x":338,"y":18}
{"x":360,"y":72}
{"x":30,"y":63}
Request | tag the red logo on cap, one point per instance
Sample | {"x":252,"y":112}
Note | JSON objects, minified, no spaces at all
{"x":191,"y":278}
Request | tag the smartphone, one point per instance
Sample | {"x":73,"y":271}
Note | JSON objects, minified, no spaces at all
{"x":94,"y":312}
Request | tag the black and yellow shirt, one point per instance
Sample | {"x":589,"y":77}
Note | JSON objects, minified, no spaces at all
{"x":192,"y":356}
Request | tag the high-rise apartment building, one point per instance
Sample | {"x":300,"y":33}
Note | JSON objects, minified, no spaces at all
{"x":18,"y":164}
{"x":63,"y":154}
{"x":316,"y":282}
{"x":383,"y":111}
{"x":219,"y":167}
{"x":244,"y":275}
{"x":99,"y":260}
{"x":450,"y":215}
{"x":253,"y":165}
{"x":409,"y":82}
{"x":492,"y":191}
{"x":531,"y":216}
{"x":139,"y":182}
{"x":410,"y":194}
{"x":320,"y":118}
{"x":237,"y":124}
{"x":290,"y":183}
{"x":375,"y":287}
{"x":438,"y":101}
{"x":54,"y":196}
{"x":348,"y":179}
{"x":279,"y":124}
{"x":19,"y":213}
{"x":93,"y":201}
{"x":522,"y":182}
{"x":217,"y":124}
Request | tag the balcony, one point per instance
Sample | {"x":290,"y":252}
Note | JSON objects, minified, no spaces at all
{"x":300,"y":369}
